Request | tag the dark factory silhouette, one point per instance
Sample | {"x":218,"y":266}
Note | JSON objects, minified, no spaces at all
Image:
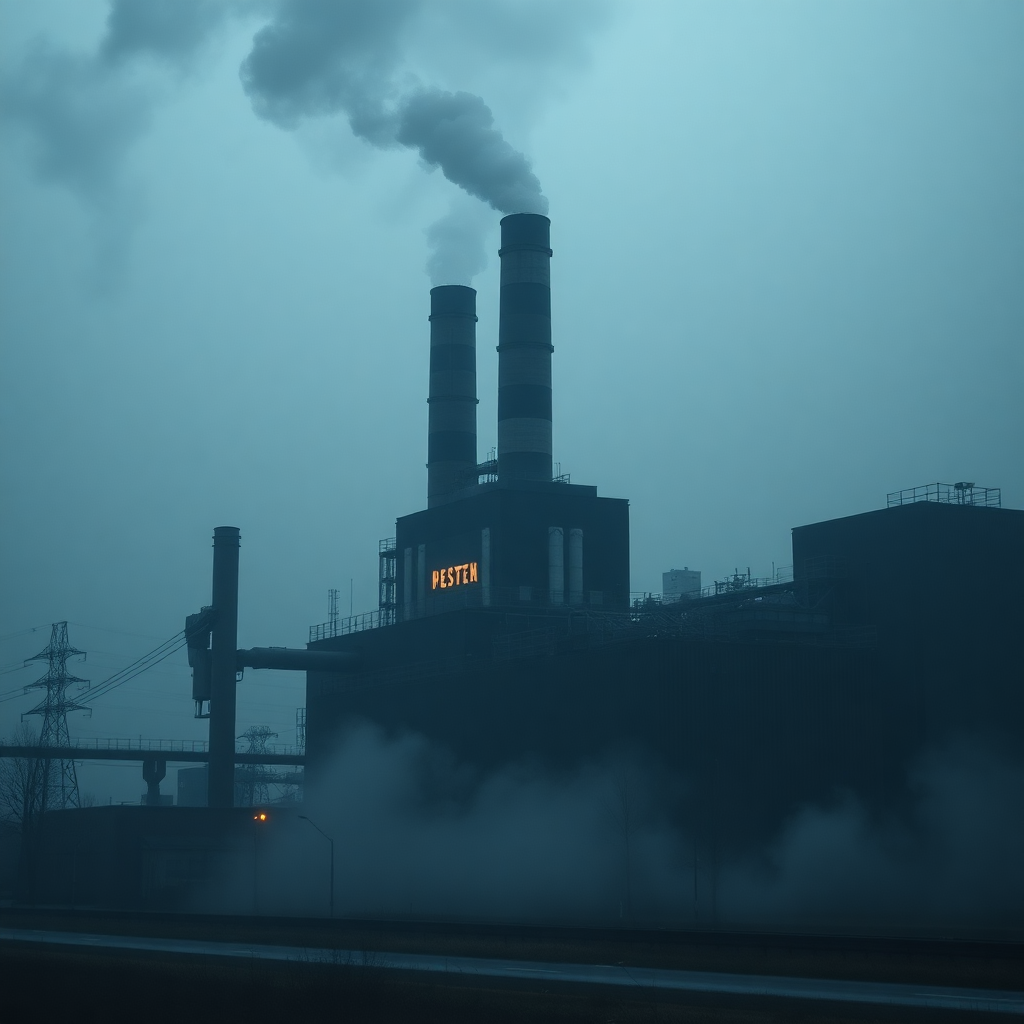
{"x":705,"y":722}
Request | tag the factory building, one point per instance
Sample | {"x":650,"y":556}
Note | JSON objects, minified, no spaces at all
{"x":506,"y":628}
{"x":506,"y":631}
{"x":504,"y":533}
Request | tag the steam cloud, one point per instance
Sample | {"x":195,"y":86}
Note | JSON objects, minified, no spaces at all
{"x":420,"y":835}
{"x":171,"y":30}
{"x":313,"y":58}
{"x":456,"y":243}
{"x":455,"y":131}
{"x":953,"y":860}
{"x":324,"y":56}
{"x":82,"y":112}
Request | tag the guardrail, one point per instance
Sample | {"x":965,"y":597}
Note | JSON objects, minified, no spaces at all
{"x":342,"y":627}
{"x":962,"y":493}
{"x":526,"y":599}
{"x":169,"y":746}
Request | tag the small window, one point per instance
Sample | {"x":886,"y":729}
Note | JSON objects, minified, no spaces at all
{"x":526,"y":593}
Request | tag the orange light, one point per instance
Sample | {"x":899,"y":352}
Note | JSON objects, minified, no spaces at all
{"x":454,"y":576}
{"x":262,"y":816}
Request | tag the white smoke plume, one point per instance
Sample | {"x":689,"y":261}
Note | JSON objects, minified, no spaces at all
{"x":343,"y":56}
{"x":83,"y":111}
{"x":950,"y":861}
{"x":362,"y":59}
{"x":321,"y":57}
{"x":420,"y":835}
{"x":456,"y":243}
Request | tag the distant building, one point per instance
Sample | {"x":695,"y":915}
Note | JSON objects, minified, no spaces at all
{"x":680,"y":584}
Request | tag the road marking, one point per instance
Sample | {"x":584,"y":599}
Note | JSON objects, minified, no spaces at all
{"x":815,"y":989}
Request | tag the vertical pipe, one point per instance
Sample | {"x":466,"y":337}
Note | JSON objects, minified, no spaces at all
{"x":575,"y":566}
{"x":223,"y":659}
{"x":407,"y":585}
{"x":524,"y":349}
{"x":452,"y":401}
{"x":421,"y":580}
{"x":556,"y":565}
{"x":485,"y":566}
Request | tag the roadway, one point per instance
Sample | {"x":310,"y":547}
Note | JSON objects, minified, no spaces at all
{"x":934,"y":997}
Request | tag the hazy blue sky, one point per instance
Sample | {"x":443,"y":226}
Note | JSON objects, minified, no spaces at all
{"x":788,"y":278}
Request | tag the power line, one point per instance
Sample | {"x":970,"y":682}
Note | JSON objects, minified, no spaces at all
{"x":107,"y":629}
{"x":13,"y":668}
{"x":24,"y":632}
{"x":124,"y":675}
{"x":137,"y":667}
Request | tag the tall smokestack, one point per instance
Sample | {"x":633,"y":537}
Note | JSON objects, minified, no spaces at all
{"x":451,"y":430}
{"x":524,"y":349}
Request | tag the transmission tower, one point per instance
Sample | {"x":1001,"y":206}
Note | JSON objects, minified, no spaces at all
{"x":256,"y":776}
{"x":59,"y":782}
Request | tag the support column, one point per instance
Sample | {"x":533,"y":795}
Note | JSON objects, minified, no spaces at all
{"x":575,"y":566}
{"x":556,"y":566}
{"x":153,"y":772}
{"x":223,"y":666}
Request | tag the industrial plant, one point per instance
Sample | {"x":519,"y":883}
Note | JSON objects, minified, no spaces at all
{"x":506,"y":630}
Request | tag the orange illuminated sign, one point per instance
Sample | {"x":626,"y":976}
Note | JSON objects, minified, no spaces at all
{"x":453,"y":576}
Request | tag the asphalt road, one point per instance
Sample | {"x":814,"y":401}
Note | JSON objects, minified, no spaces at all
{"x":926,"y":996}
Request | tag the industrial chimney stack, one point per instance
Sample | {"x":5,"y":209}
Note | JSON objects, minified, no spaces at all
{"x":524,"y":349}
{"x":451,"y":430}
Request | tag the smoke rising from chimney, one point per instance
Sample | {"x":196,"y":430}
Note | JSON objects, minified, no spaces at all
{"x":320,"y":58}
{"x":83,"y":111}
{"x":456,"y":243}
{"x":455,"y":131}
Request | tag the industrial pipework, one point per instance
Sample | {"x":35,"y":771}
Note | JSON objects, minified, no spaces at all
{"x":292,"y":659}
{"x":524,"y":349}
{"x":216,"y":662}
{"x":223,"y":666}
{"x":452,"y":401}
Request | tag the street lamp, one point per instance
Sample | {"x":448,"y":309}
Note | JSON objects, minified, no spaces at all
{"x":331,"y":841}
{"x":259,"y":818}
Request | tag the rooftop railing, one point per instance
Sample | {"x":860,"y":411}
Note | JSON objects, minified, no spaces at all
{"x":529,"y":598}
{"x":963,"y":492}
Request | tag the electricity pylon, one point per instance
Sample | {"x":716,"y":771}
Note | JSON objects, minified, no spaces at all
{"x":58,"y":781}
{"x":256,"y":776}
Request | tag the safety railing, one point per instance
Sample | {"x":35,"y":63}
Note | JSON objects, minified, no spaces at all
{"x":168,"y":746}
{"x":964,"y":492}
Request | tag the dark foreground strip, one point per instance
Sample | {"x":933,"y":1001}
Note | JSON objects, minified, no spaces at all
{"x":929,"y":996}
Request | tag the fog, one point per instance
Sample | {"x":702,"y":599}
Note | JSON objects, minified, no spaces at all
{"x":788,"y":245}
{"x":951,"y":858}
{"x":419,"y":835}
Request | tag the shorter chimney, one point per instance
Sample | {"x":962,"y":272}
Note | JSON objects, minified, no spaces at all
{"x":452,"y":401}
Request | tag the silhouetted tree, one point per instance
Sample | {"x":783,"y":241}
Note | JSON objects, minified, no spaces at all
{"x":21,"y":779}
